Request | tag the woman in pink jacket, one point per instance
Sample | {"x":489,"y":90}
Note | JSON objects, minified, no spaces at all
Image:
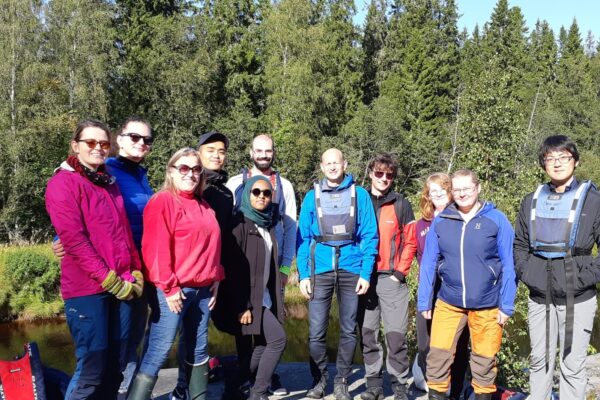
{"x":101,"y":265}
{"x":181,"y":247}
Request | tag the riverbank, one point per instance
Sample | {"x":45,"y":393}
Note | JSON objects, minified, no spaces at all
{"x":296,"y":377}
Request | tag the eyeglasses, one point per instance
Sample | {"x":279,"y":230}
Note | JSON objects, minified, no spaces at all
{"x":437,"y":193}
{"x":185,"y":169}
{"x":561,"y":160}
{"x":92,"y":143}
{"x":136,"y":137}
{"x":468,"y":191}
{"x":380,"y":174}
{"x":256,"y":192}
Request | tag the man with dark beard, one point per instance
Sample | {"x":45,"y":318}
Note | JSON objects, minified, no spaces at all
{"x":262,"y":154}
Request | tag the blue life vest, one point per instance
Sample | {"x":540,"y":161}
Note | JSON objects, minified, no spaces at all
{"x":336,"y":215}
{"x":555,"y":220}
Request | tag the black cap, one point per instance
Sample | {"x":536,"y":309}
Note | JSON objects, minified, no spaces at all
{"x":213,"y":136}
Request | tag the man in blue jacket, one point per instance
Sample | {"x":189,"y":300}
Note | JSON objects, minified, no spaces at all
{"x":337,"y":244}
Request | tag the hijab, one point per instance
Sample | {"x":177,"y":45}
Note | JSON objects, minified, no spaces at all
{"x":261,"y":218}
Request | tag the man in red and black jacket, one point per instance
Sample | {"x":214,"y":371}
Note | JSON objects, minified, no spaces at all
{"x":388,"y":294}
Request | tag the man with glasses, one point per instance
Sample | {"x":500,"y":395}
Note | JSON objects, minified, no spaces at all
{"x":262,"y":154}
{"x":337,"y":246}
{"x":387,"y":297}
{"x":556,"y":229}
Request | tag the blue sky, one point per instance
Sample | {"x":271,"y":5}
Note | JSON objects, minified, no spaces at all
{"x":556,"y":12}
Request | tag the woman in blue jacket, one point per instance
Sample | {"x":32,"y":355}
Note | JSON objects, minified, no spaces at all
{"x":471,"y":245}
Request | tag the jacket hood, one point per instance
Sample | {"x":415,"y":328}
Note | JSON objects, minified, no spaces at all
{"x":64,"y":165}
{"x":346,"y":183}
{"x":389,"y":197}
{"x":215,"y":177}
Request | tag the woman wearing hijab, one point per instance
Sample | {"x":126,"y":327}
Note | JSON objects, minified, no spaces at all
{"x":256,"y":300}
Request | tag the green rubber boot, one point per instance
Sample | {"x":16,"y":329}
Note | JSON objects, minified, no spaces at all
{"x":141,"y":387}
{"x":197,"y":380}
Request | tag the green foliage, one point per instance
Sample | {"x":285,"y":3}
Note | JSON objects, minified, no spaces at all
{"x":512,"y":360}
{"x":30,"y":288}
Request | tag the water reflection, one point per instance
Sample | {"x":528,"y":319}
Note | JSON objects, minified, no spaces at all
{"x":57,"y":351}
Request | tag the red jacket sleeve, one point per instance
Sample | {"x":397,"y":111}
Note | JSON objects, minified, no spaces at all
{"x":160,"y":215}
{"x":409,"y":248}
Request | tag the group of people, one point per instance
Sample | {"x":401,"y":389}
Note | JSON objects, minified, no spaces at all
{"x":206,"y":246}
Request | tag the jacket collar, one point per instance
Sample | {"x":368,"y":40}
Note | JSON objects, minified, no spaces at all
{"x":346,"y":183}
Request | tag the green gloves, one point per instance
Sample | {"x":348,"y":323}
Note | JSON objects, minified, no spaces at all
{"x":284,"y":269}
{"x":138,"y":285}
{"x":117,"y":286}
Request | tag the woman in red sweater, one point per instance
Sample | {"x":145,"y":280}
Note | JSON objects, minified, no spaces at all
{"x":181,"y":247}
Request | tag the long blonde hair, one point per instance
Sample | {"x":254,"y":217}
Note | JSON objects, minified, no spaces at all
{"x":169,"y":185}
{"x":426,"y":206}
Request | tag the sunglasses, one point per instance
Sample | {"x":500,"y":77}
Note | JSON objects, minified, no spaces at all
{"x":185,"y":169}
{"x":380,"y":174}
{"x":92,"y":143}
{"x":136,"y":137}
{"x":256,"y":192}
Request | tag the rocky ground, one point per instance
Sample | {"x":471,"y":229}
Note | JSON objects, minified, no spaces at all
{"x":296,"y":377}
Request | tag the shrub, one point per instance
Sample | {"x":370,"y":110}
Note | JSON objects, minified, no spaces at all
{"x":32,"y":281}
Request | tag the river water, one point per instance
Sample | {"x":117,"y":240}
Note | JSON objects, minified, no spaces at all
{"x":56,"y":347}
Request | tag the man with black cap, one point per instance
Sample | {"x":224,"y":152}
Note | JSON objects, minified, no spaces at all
{"x":212,"y":148}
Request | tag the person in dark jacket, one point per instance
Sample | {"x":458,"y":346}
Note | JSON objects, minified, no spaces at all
{"x":387,"y":298}
{"x":254,"y":298}
{"x":561,"y":274}
{"x":470,"y":246}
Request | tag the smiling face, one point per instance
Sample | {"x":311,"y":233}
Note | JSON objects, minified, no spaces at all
{"x":382,"y":178}
{"x":262,"y":152}
{"x":186,"y":183}
{"x":91,"y":157}
{"x":212,"y":155}
{"x":262,"y":201}
{"x":560,"y":166}
{"x":333,"y":166}
{"x":134,"y":151}
{"x":438,"y":195}
{"x":465,"y":193}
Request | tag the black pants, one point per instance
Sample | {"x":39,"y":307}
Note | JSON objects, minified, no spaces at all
{"x":268,"y":348}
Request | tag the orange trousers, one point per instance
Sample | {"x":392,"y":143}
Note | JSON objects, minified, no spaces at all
{"x":486,"y":337}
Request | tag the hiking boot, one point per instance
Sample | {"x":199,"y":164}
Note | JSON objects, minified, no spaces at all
{"x":435,"y":395}
{"x":399,"y":391}
{"x":483,"y":396}
{"x":372,"y":393}
{"x":275,"y":388}
{"x":318,"y":389}
{"x":340,"y":390}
